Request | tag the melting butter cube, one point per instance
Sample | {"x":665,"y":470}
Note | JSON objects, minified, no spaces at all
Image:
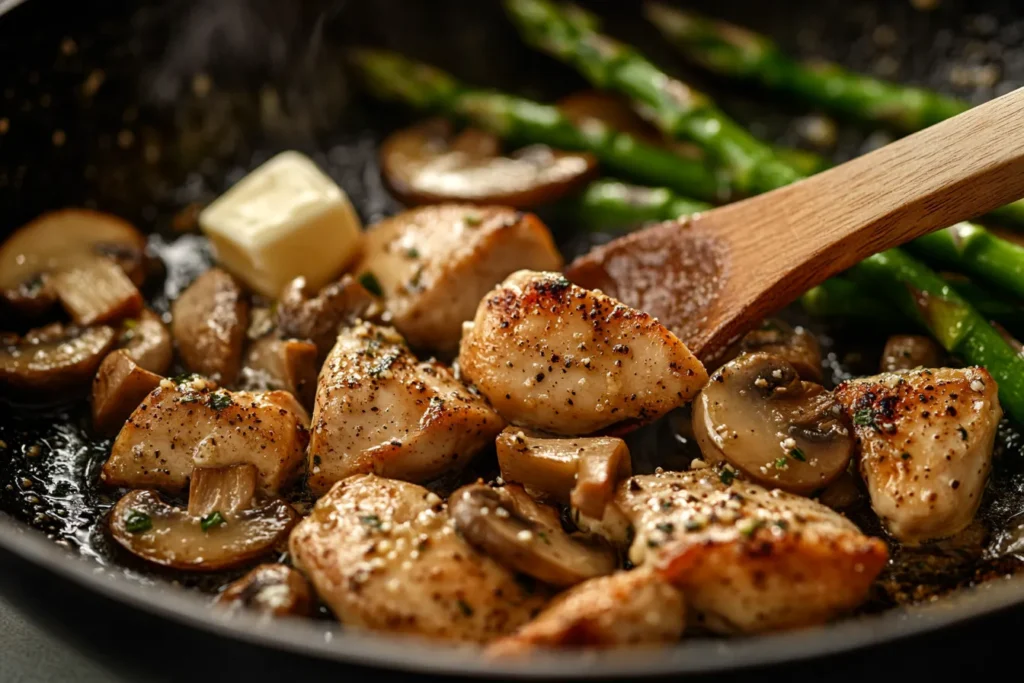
{"x":285,"y":219}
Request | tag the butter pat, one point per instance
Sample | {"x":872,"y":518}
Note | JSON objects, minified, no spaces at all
{"x":285,"y":219}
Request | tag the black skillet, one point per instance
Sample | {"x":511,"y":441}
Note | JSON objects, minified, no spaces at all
{"x":142,"y":109}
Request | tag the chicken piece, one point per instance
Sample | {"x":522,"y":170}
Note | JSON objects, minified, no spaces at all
{"x":552,"y":356}
{"x":623,"y":609}
{"x":748,"y":559}
{"x":378,"y":409}
{"x":433,"y":264}
{"x":383,"y":556}
{"x":209,"y":323}
{"x":925,"y":439}
{"x":180,"y":427}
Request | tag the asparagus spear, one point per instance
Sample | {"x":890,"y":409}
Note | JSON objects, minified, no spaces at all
{"x":393,"y":77}
{"x":971,"y":249}
{"x":678,"y":110}
{"x":921,"y":294}
{"x":733,"y":51}
{"x":611,"y":205}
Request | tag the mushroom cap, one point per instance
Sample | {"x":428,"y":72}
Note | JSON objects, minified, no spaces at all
{"x":53,"y":359}
{"x":757,"y":415}
{"x":427,"y":164}
{"x":526,"y":536}
{"x":274,"y":589}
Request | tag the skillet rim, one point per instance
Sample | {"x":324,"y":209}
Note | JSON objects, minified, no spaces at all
{"x":409,"y":654}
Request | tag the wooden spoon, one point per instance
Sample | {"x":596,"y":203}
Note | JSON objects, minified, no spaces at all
{"x":714,"y":276}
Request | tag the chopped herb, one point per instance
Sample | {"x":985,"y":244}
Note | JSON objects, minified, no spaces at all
{"x":780,"y":524}
{"x":781,"y":463}
{"x":464,"y":606}
{"x":693,"y":525}
{"x":416,"y":281}
{"x":963,"y":433}
{"x":666,"y":527}
{"x":472,"y":220}
{"x":666,"y":504}
{"x":219,"y":400}
{"x":543,"y":535}
{"x":726,"y":476}
{"x":372,"y":521}
{"x":183,"y":377}
{"x":384,"y":365}
{"x":130,"y":324}
{"x":750,"y":529}
{"x":864,"y":418}
{"x":412,"y":252}
{"x":371,"y":283}
{"x":137,"y":522}
{"x":188,"y":398}
{"x":211,"y":520}
{"x":798,"y":454}
{"x":33,"y":285}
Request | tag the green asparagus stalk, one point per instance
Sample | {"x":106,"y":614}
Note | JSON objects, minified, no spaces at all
{"x":970,"y":249}
{"x":922,"y":295}
{"x":393,"y":77}
{"x":611,"y":205}
{"x":735,"y":52}
{"x":678,"y":110}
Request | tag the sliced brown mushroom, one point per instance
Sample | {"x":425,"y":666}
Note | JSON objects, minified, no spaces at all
{"x":286,"y":364}
{"x":119,"y":387}
{"x":53,"y":359}
{"x":209,"y":323}
{"x":96,"y":290}
{"x":273,"y":589}
{"x":757,"y":415}
{"x":581,"y":471}
{"x":909,"y":351}
{"x":318,"y":318}
{"x":794,"y":344}
{"x":428,"y":164}
{"x":58,"y":241}
{"x":147,"y":340}
{"x":507,"y":524}
{"x":169,"y":536}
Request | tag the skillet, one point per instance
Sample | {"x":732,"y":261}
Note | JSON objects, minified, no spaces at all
{"x":144,"y":109}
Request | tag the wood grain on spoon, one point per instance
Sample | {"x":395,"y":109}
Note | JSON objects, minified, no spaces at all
{"x":713,"y":276}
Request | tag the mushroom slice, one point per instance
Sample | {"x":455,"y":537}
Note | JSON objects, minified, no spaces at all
{"x":96,"y":290}
{"x":273,"y":589}
{"x":558,"y":358}
{"x":427,"y":164}
{"x":148,"y":342}
{"x":119,"y":387}
{"x":583,"y":471}
{"x":383,"y":556}
{"x":54,"y":359}
{"x":210,"y":320}
{"x":221,"y":489}
{"x":926,"y":439}
{"x":909,"y":351}
{"x":758,"y":416}
{"x":624,"y":609}
{"x":433,"y":265}
{"x":378,"y":409}
{"x":179,"y":427}
{"x":58,"y":240}
{"x":319,"y":318}
{"x":169,"y":536}
{"x":526,"y":536}
{"x":287,"y":364}
{"x":747,"y":559}
{"x":795,"y":345}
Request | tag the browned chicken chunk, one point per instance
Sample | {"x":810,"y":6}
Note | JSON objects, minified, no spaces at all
{"x":559,"y":358}
{"x":209,"y":323}
{"x":433,"y":264}
{"x":179,"y":427}
{"x":621,"y":610}
{"x":383,"y":556}
{"x":378,"y":409}
{"x":926,"y":440}
{"x":748,"y":559}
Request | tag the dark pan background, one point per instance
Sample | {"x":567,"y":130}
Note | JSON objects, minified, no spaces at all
{"x":141,"y":108}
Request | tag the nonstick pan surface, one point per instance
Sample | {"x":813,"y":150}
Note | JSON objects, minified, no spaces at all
{"x":147,"y":109}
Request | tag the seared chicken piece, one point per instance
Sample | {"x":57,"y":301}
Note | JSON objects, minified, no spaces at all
{"x":433,"y":264}
{"x":559,"y":358}
{"x":624,"y":609}
{"x":180,"y":427}
{"x":209,"y":323}
{"x":748,"y":559}
{"x":383,"y":556}
{"x":926,"y":441}
{"x":378,"y":409}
